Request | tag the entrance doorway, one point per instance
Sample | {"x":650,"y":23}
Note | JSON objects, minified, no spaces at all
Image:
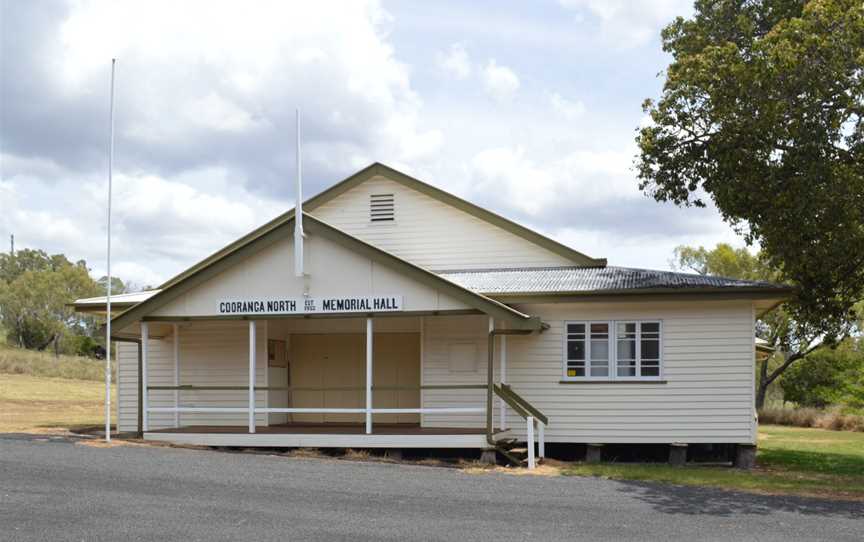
{"x":337,"y":362}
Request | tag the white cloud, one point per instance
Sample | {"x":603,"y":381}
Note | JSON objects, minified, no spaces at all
{"x":630,"y":23}
{"x":570,"y":109}
{"x":500,"y":81}
{"x":160,"y":225}
{"x":455,"y":61}
{"x":206,"y":70}
{"x":206,"y":98}
{"x":532,"y":187}
{"x":648,"y":249}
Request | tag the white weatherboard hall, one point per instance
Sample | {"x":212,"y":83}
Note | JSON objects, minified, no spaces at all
{"x":422,"y":320}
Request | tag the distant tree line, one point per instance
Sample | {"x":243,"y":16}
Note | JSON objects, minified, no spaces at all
{"x":35,"y":292}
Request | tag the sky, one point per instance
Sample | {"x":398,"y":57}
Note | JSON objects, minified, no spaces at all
{"x":527,"y":108}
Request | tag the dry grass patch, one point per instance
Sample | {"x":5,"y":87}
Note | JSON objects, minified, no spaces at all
{"x":356,"y":455}
{"x":37,"y":404}
{"x":545,"y":467}
{"x":19,"y":361}
{"x":832,"y":419}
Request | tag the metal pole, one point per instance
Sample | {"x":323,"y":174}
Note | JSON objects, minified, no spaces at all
{"x":369,"y":376}
{"x":298,"y":211}
{"x":176,"y":373}
{"x":108,"y":289}
{"x":530,"y":430}
{"x":145,"y":339}
{"x":251,"y":376}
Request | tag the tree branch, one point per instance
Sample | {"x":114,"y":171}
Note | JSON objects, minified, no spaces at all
{"x":789,"y":361}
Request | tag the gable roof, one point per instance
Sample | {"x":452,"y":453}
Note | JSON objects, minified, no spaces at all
{"x":373,"y":170}
{"x":251,"y":244}
{"x":605,"y":280}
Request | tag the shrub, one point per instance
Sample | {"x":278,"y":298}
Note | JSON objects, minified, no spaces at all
{"x":834,"y":419}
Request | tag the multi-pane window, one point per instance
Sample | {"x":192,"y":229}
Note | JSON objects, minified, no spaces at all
{"x":613,"y":350}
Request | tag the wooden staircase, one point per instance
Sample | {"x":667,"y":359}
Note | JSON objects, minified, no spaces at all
{"x":511,"y":449}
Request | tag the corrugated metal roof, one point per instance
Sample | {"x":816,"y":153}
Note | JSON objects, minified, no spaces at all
{"x":534,"y":280}
{"x":131,"y":298}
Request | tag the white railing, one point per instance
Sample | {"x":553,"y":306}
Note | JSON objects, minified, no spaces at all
{"x":269,"y":410}
{"x":540,"y":442}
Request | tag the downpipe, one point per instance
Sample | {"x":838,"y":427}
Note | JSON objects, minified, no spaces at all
{"x":490,"y":374}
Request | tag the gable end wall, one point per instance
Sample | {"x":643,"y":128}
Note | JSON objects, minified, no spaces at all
{"x":430,"y":233}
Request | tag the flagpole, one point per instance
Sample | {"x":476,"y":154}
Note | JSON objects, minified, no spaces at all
{"x":108,"y":288}
{"x":298,"y":210}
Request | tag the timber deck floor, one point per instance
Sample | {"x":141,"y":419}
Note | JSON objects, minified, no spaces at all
{"x":327,"y":429}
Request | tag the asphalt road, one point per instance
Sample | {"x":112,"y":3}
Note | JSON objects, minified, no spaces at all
{"x":60,"y":490}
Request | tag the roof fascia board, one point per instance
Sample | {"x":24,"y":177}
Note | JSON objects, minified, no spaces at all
{"x":401,"y":314}
{"x":667,"y":295}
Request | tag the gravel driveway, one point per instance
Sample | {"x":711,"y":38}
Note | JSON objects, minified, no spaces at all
{"x":54,"y":489}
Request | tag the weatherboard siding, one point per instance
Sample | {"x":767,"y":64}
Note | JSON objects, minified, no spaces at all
{"x":431,"y":233}
{"x":211,"y":354}
{"x":708,"y":369}
{"x":707,"y":365}
{"x":438,"y":334}
{"x":127,"y":386}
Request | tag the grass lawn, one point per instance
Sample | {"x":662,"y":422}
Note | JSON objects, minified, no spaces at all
{"x":791,"y":460}
{"x":39,"y":404}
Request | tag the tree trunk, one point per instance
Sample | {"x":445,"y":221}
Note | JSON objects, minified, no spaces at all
{"x":44,"y":345}
{"x":761,"y":391}
{"x":762,"y":385}
{"x":57,"y":346}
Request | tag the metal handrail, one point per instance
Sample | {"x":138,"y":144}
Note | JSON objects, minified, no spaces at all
{"x":510,"y":402}
{"x":531,"y":409}
{"x":190,"y":387}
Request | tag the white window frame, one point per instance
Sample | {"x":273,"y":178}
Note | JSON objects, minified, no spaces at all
{"x":613,"y":351}
{"x":587,"y":324}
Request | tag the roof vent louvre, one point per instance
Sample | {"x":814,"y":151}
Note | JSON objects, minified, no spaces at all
{"x":382,"y":208}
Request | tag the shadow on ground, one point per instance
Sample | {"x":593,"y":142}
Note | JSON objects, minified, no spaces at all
{"x":672,"y":499}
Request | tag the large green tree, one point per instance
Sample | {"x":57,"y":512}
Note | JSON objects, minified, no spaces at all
{"x":35,"y":290}
{"x":829,"y":376}
{"x":761,"y":113}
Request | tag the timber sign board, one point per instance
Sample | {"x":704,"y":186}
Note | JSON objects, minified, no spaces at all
{"x":310,"y":305}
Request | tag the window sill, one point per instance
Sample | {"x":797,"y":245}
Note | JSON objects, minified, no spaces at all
{"x":612,"y":381}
